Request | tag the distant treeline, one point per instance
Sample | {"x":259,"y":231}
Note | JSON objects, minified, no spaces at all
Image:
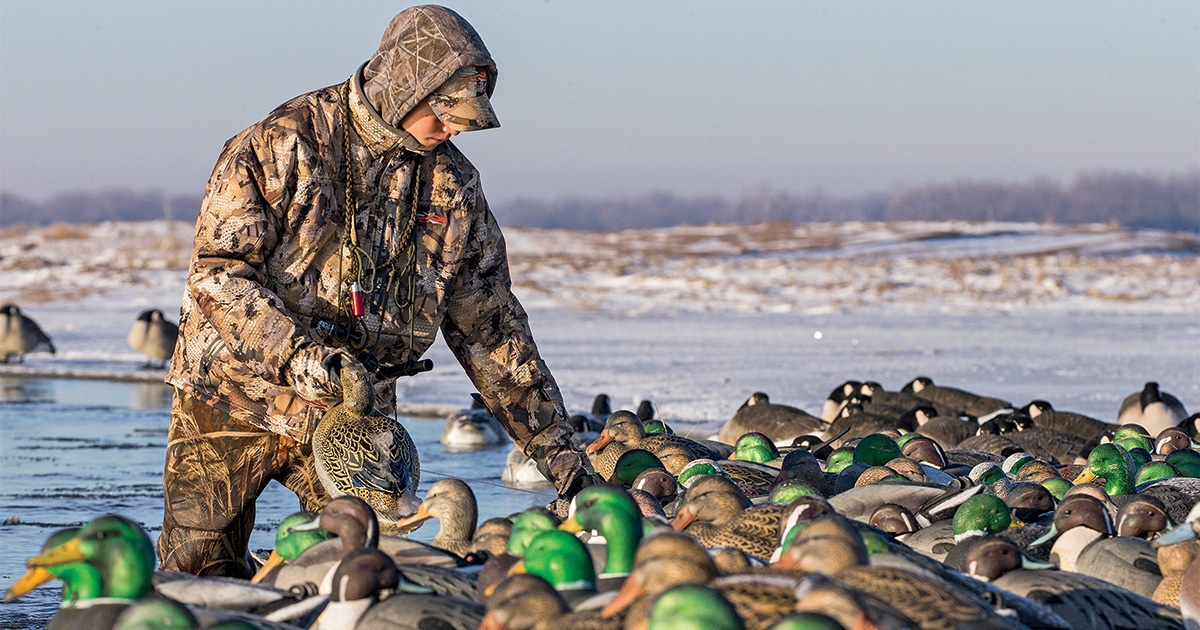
{"x":1167,"y":202}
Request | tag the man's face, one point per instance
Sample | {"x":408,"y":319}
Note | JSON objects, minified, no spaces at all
{"x":426,"y":127}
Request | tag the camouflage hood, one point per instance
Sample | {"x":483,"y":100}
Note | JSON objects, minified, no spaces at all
{"x":421,"y":48}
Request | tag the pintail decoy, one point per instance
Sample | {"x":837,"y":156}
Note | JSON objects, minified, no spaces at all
{"x":1083,"y":601}
{"x":20,"y":335}
{"x":153,"y":336}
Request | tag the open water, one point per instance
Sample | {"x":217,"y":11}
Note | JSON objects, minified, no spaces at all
{"x":76,"y":449}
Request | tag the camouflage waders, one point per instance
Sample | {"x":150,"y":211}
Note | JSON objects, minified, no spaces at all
{"x":216,"y":468}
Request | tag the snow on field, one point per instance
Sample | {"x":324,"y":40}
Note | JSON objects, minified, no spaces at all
{"x":697,"y":318}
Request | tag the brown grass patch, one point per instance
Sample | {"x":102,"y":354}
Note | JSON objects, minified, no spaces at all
{"x":67,"y":231}
{"x":25,"y":263}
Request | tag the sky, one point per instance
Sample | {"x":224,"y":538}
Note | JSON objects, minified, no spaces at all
{"x":623,"y":97}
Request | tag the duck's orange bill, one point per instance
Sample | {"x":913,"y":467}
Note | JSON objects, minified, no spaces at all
{"x":414,"y":519}
{"x":273,"y":561}
{"x":600,"y":442}
{"x":32,"y":579}
{"x":630,"y":591}
{"x":683,"y":518}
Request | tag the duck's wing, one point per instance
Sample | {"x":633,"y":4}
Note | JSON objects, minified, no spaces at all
{"x":1086,"y":602}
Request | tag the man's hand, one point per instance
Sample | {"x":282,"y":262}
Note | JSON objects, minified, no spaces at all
{"x":327,"y":377}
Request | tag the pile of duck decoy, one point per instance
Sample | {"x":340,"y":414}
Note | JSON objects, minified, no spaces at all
{"x":926,"y":508}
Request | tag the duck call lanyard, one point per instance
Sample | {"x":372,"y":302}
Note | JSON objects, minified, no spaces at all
{"x":384,"y":276}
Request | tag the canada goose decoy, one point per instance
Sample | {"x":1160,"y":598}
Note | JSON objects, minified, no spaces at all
{"x":1152,"y":408}
{"x":153,"y":336}
{"x":837,"y":399}
{"x":903,"y":402}
{"x":1045,"y":415}
{"x":365,"y":454}
{"x":453,"y":504}
{"x":1083,"y":601}
{"x":473,"y":428}
{"x":20,"y":335}
{"x":967,"y":403}
{"x":777,"y":422}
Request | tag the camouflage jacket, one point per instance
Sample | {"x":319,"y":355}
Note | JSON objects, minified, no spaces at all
{"x":273,"y":258}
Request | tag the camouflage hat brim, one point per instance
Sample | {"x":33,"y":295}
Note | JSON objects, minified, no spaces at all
{"x":462,"y":102}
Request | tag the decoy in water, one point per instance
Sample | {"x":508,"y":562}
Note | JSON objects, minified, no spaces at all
{"x":1151,"y":408}
{"x":967,"y":403}
{"x":20,"y":335}
{"x":82,"y":585}
{"x":1083,"y":601}
{"x":153,"y":336}
{"x":365,"y":454}
{"x":370,"y":593}
{"x":473,"y":428}
{"x":777,"y":422}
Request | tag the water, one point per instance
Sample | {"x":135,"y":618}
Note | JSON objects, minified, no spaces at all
{"x":74,"y":449}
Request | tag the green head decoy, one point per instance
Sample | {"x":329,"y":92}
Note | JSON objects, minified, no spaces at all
{"x":904,"y":439}
{"x":529,"y":525}
{"x":1140,"y":456}
{"x":1131,"y":442}
{"x":992,"y":478}
{"x":980,"y":515}
{"x":632,"y":463}
{"x":1129,"y":430}
{"x":116,"y":547}
{"x":1013,"y":463}
{"x":1112,"y":463}
{"x":1186,"y":461}
{"x":658,"y":426}
{"x":876,"y":449}
{"x":754,"y":447}
{"x":80,"y":581}
{"x":156,"y":614}
{"x":791,"y":489}
{"x":699,"y":468}
{"x":561,"y":559}
{"x":289,"y":543}
{"x":839,"y":459}
{"x":691,"y":606}
{"x":806,"y":621}
{"x":1154,"y":470}
{"x":1057,"y":486}
{"x":611,"y":511}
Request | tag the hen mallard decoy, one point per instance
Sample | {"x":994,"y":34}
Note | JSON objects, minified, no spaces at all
{"x":365,"y":454}
{"x":20,"y":335}
{"x":1083,"y":601}
{"x":718,"y":514}
{"x":527,"y":602}
{"x":453,"y":504}
{"x":779,"y":423}
{"x":624,"y":431}
{"x":153,"y":336}
{"x":1180,"y":568}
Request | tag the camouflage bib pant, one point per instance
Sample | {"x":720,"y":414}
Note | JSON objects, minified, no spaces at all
{"x":216,"y":467}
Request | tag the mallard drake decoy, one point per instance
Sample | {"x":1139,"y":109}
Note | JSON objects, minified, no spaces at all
{"x":1151,"y":408}
{"x":20,"y":335}
{"x":1112,"y":463}
{"x":718,"y":514}
{"x":780,"y":423}
{"x":611,"y":512}
{"x":756,"y":447}
{"x":693,"y":606}
{"x":473,"y":428}
{"x":290,"y":544}
{"x":365,"y":454}
{"x":563,"y":560}
{"x":153,"y":336}
{"x":967,"y":403}
{"x":453,"y":504}
{"x":82,"y":585}
{"x":370,"y":593}
{"x":1083,"y":601}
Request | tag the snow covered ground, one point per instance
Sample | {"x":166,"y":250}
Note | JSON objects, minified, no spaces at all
{"x":698,"y":318}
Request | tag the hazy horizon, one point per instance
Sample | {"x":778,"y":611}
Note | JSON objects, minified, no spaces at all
{"x":626,"y":98}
